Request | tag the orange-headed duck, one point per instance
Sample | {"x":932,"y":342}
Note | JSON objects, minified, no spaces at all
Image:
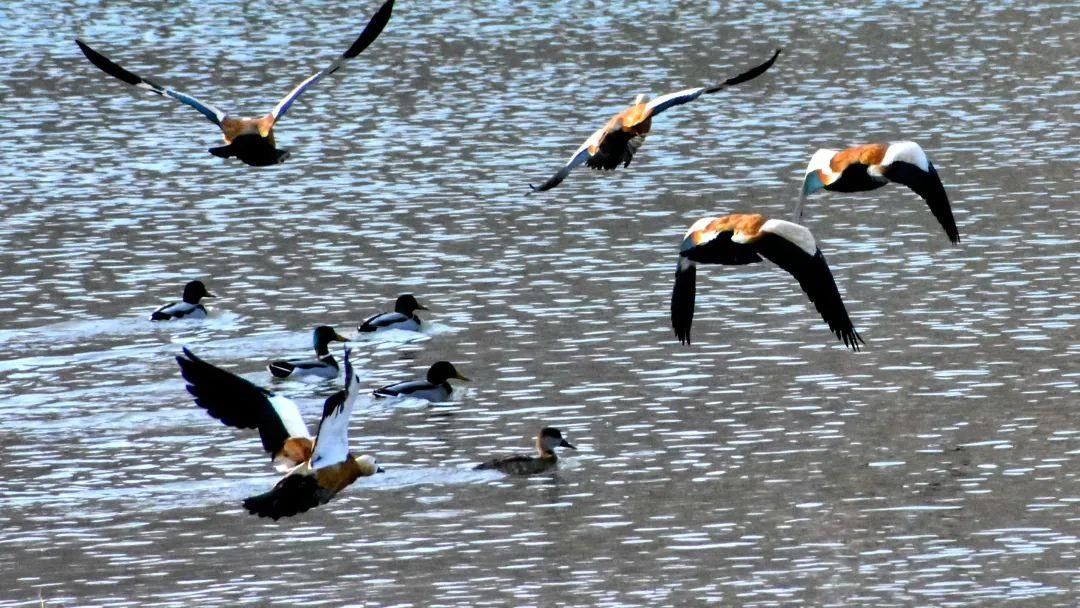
{"x":747,"y":238}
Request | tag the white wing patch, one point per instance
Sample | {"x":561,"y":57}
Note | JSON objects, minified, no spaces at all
{"x":676,"y":97}
{"x":701,"y":224}
{"x":820,"y":161}
{"x":791,"y":232}
{"x":289,"y":415}
{"x":908,"y":152}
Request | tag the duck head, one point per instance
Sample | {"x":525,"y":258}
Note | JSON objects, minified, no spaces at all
{"x":195,"y":291}
{"x":323,"y":336}
{"x":443,"y":371}
{"x":369,"y":465}
{"x":551,"y":438}
{"x":406,"y":304}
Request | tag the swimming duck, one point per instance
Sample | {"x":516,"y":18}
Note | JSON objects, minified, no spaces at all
{"x":745,"y":239}
{"x":434,"y":389}
{"x":871,"y":166}
{"x":188,"y":308}
{"x":249,"y":139}
{"x":323,"y":366}
{"x":547,"y":440}
{"x":404,"y":316}
{"x":616,"y":142}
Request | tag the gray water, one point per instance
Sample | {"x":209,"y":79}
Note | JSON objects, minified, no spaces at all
{"x":763,"y":466}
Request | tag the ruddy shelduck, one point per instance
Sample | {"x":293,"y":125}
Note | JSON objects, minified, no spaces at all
{"x":318,"y":468}
{"x":616,"y":142}
{"x":748,"y":238}
{"x":244,"y":405}
{"x":871,"y":166}
{"x":249,"y":139}
{"x":547,"y":440}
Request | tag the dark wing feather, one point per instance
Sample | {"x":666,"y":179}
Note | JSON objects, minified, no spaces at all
{"x":682,"y":301}
{"x":113,"y":69}
{"x":816,"y":280}
{"x":750,"y":74}
{"x":581,"y":156}
{"x":927,"y":184}
{"x":371,"y":32}
{"x":233,"y":400}
{"x":292,"y":495}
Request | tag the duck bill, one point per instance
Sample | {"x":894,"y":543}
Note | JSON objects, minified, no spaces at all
{"x":340,"y":338}
{"x":421,"y":307}
{"x":567,"y":444}
{"x":209,"y":295}
{"x":460,"y":377}
{"x":380,"y":470}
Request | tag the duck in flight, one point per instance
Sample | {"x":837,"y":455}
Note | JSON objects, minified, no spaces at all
{"x":748,"y":238}
{"x":241,"y":404}
{"x":435,"y":388}
{"x":547,"y":440}
{"x":404,"y":316}
{"x":318,"y":467}
{"x":323,"y":365}
{"x":249,"y":139}
{"x":188,"y":308}
{"x":871,"y":166}
{"x":616,"y":142}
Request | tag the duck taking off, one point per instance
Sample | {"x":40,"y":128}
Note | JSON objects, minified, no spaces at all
{"x":745,"y":239}
{"x":404,"y":316}
{"x":323,"y":365}
{"x":249,"y":139}
{"x":435,"y":388}
{"x":616,"y":142}
{"x":871,"y":166}
{"x":188,"y":308}
{"x":547,"y":440}
{"x":329,"y":469}
{"x":244,"y":405}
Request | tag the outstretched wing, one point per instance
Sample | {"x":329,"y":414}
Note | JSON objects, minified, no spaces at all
{"x":927,"y":184}
{"x":371,"y":32}
{"x":678,"y":98}
{"x":241,"y":404}
{"x":579,"y":157}
{"x":812,"y":272}
{"x":332,"y":439}
{"x":294,"y":494}
{"x":701,"y":245}
{"x":213,"y":114}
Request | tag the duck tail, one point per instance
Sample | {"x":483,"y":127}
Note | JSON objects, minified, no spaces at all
{"x":280,"y":369}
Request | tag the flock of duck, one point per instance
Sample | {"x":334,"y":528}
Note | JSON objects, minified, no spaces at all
{"x":319,"y":467}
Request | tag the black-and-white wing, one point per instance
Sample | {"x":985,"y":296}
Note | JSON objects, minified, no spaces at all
{"x":927,"y":184}
{"x":578,"y":158}
{"x":241,"y":404}
{"x":371,"y":32}
{"x":791,"y":247}
{"x":212,"y":113}
{"x":658,"y":105}
{"x":332,"y":439}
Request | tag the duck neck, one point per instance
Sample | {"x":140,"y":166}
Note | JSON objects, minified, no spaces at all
{"x":543,"y":451}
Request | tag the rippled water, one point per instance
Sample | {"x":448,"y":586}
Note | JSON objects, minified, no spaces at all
{"x":763,"y":466}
